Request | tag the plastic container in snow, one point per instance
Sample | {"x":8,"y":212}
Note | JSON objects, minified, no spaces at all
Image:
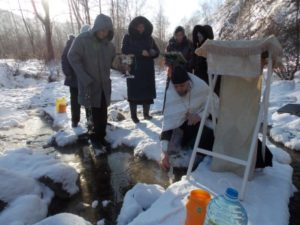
{"x":196,"y":207}
{"x":226,"y":210}
{"x":61,"y":105}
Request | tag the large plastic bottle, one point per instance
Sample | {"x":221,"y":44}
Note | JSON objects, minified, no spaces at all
{"x":226,"y":210}
{"x":196,"y":207}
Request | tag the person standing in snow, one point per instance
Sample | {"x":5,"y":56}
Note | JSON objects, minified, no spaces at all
{"x":180,"y":43}
{"x":91,"y":57}
{"x":70,"y":78}
{"x":198,"y":63}
{"x":141,"y":88}
{"x":185,"y":103}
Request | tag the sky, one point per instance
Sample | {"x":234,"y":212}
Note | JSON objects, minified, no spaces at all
{"x":175,"y":10}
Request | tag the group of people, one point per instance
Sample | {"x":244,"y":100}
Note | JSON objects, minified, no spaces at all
{"x":88,"y":58}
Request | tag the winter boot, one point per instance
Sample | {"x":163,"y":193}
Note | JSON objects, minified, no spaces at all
{"x":146,"y":109}
{"x":133,"y":112}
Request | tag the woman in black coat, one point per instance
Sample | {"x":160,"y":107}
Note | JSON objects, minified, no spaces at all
{"x":141,"y":89}
{"x":199,"y":64}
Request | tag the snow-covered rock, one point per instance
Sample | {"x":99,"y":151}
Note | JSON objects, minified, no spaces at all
{"x":285,"y":127}
{"x":29,"y":164}
{"x":14,"y":185}
{"x":64,"y":219}
{"x":25,"y":210}
{"x":137,"y":200}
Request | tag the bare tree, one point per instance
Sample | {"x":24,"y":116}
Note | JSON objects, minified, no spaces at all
{"x":76,"y":10}
{"x":46,"y":22}
{"x":100,"y":6}
{"x":161,"y":25}
{"x":71,"y":15}
{"x":28,"y":31}
{"x":86,"y":9}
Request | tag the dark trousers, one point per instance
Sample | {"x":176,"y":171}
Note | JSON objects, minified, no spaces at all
{"x":190,"y":134}
{"x":99,"y":120}
{"x":75,"y":107}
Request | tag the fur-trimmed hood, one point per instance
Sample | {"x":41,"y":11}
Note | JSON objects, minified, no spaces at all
{"x":136,"y":21}
{"x":205,"y":30}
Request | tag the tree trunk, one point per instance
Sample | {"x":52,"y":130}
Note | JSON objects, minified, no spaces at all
{"x":47,"y":26}
{"x":30,"y":35}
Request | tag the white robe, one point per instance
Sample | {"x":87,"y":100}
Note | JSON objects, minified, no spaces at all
{"x":177,"y":107}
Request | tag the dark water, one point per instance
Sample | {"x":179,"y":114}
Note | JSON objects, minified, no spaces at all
{"x":107,"y":177}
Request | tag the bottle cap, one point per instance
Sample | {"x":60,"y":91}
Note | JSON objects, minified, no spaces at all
{"x":232,"y":193}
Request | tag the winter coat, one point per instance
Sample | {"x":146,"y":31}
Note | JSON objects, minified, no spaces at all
{"x":91,"y":59}
{"x":198,"y":63}
{"x":70,"y":76}
{"x":185,"y":47}
{"x":141,"y":88}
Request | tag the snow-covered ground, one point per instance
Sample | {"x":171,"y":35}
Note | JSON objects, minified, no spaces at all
{"x":25,"y":196}
{"x":24,"y":173}
{"x":285,"y":127}
{"x":22,"y":99}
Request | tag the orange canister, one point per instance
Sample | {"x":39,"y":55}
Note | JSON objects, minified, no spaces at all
{"x":196,"y":207}
{"x":61,"y":105}
{"x":62,"y":108}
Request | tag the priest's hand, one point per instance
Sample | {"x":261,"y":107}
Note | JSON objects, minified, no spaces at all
{"x":164,"y":162}
{"x":193,"y":119}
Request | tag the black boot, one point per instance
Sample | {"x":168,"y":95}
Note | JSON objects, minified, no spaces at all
{"x":146,"y":109}
{"x":133,"y":112}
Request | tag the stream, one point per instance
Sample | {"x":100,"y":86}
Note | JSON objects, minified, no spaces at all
{"x":105,"y":178}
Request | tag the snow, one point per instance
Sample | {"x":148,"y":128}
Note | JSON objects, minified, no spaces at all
{"x":27,"y":209}
{"x":169,"y":209}
{"x":138,"y":199}
{"x":63,"y":219}
{"x":27,"y":198}
{"x":95,"y":204}
{"x":27,"y":163}
{"x":67,"y":136}
{"x":105,"y":203}
{"x":101,"y":222}
{"x":285,"y":127}
{"x":11,"y":188}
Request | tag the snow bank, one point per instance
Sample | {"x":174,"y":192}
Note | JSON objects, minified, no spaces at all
{"x":137,"y":200}
{"x":25,"y":210}
{"x":10,"y":118}
{"x":29,"y":164}
{"x":28,"y":199}
{"x":16,"y":74}
{"x":285,"y":127}
{"x":16,"y":185}
{"x":67,"y":136}
{"x":63,"y":219}
{"x":143,"y":137}
{"x":266,"y":201}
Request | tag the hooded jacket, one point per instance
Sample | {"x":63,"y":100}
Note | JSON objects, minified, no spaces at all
{"x":91,"y":59}
{"x":185,"y":47}
{"x":199,"y":64}
{"x":141,"y":89}
{"x":67,"y":69}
